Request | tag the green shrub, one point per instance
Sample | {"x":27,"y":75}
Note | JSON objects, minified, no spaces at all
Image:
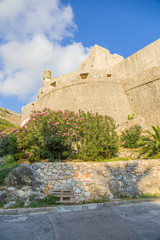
{"x":47,"y":134}
{"x":98,"y":138}
{"x":47,"y":201}
{"x":56,"y":135}
{"x":4,"y":143}
{"x":150,"y":142}
{"x":51,"y":199}
{"x":19,"y":203}
{"x":8,"y":145}
{"x":2,"y":204}
{"x":131,"y":117}
{"x":131,"y":136}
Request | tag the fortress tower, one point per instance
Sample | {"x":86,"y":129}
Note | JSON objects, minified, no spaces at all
{"x":107,"y":84}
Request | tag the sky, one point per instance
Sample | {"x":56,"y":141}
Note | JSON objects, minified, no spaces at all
{"x":57,"y":34}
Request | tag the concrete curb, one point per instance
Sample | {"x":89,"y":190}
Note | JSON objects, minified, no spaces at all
{"x":22,"y":211}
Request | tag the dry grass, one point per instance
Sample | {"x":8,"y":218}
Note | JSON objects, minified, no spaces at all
{"x":10,"y":116}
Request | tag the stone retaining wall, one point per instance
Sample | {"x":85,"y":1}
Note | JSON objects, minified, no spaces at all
{"x":96,"y":180}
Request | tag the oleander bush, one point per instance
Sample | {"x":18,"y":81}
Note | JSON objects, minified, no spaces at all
{"x":57,"y":134}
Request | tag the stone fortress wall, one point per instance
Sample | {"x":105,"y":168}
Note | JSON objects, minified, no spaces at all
{"x":107,"y":84}
{"x":96,"y":180}
{"x":140,"y":76}
{"x":82,"y":181}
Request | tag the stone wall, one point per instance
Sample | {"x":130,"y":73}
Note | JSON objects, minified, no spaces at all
{"x":113,"y":86}
{"x":141,"y":61}
{"x":95,"y":180}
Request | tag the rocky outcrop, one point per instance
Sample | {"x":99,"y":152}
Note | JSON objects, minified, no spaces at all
{"x":24,"y":175}
{"x":3,"y":196}
{"x":22,"y":183}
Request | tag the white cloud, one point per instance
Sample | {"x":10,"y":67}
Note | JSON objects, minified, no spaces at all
{"x":32,"y":31}
{"x":23,"y":18}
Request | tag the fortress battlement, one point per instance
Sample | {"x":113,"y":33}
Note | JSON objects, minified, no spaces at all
{"x":108,"y":84}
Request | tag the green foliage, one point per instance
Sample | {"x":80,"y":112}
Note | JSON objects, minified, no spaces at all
{"x":8,"y":145}
{"x":150,"y":195}
{"x":19,"y":203}
{"x":47,"y":201}
{"x":98,"y":138}
{"x":4,"y":143}
{"x":47,"y":134}
{"x":51,"y":199}
{"x":5,"y":124}
{"x":55,"y":135}
{"x":8,"y":161}
{"x":32,"y":197}
{"x":131,"y":117}
{"x":150,"y":142}
{"x":101,"y":200}
{"x":6,"y":167}
{"x":131,"y":136}
{"x":2,"y":203}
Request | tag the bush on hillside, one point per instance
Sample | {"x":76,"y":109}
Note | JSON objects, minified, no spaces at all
{"x":8,"y":145}
{"x":98,"y":138}
{"x":50,"y":134}
{"x":131,"y":136}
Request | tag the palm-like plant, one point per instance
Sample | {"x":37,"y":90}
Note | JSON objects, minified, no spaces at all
{"x":151,"y":142}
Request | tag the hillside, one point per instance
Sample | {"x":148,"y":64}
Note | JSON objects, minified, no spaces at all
{"x":9,"y":120}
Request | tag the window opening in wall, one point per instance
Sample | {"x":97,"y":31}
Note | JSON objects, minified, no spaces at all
{"x":53,"y":84}
{"x":84,"y":75}
{"x":109,"y":75}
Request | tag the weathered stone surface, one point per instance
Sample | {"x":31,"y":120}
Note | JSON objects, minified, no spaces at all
{"x":21,"y":183}
{"x":108,"y":84}
{"x":3,"y":195}
{"x":23,"y":175}
{"x":87,"y":180}
{"x":9,"y":204}
{"x":110,"y":180}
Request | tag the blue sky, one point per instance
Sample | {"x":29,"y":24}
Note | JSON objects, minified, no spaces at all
{"x":36,"y":35}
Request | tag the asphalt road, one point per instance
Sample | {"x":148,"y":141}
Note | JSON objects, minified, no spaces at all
{"x":129,"y":222}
